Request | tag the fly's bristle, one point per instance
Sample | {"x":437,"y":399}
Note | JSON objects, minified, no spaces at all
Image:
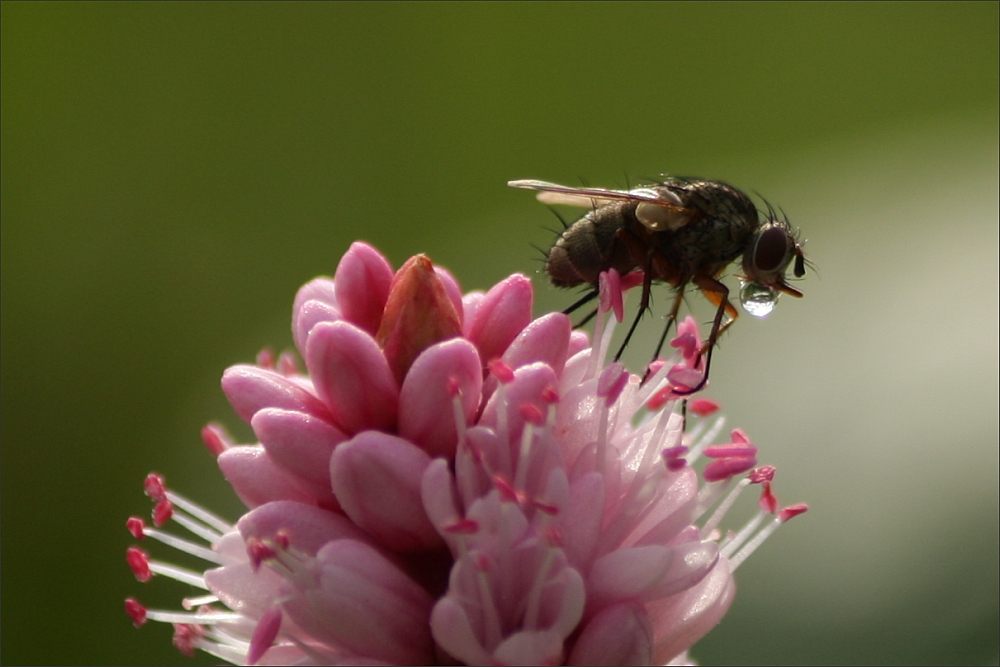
{"x":540,"y":249}
{"x":562,"y":220}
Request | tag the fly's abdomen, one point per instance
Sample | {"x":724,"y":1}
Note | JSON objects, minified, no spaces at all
{"x":588,"y":247}
{"x":573,"y":258}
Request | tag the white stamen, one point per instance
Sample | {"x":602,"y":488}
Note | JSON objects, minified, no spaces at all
{"x":223,"y":652}
{"x":752,"y":545}
{"x":190,"y":603}
{"x":192,"y":618}
{"x":731,"y":544}
{"x":194,"y":526}
{"x":523,"y":457}
{"x":502,"y":425}
{"x":180,"y":544}
{"x":709,"y":493}
{"x":653,"y":383}
{"x":181,"y":574}
{"x":723,"y":507}
{"x":702,"y":441}
{"x":535,"y":594}
{"x":199,"y":512}
{"x":459,"y":416}
{"x":491,"y":617}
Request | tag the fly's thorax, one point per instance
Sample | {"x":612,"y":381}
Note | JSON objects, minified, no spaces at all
{"x":715,"y":199}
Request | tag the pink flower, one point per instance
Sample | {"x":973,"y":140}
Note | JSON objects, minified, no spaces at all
{"x":451,"y":480}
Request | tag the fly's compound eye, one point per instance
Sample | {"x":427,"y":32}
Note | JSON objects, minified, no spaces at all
{"x":770,"y":252}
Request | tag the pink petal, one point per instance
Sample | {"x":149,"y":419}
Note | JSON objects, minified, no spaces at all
{"x":528,"y":386}
{"x":363,"y":602}
{"x":581,"y":517}
{"x":426,"y":414}
{"x":352,"y":376}
{"x":691,"y":562}
{"x":500,"y":316}
{"x":681,"y":620}
{"x":309,"y":315}
{"x":418,"y":314}
{"x":626,"y":573}
{"x":452,"y":289}
{"x":682,"y":376}
{"x":563,"y":599}
{"x":306,"y":527}
{"x":257,"y":480}
{"x":298,"y":442}
{"x":611,"y":298}
{"x":618,"y":635}
{"x":670,"y":512}
{"x":530,"y":647}
{"x":578,"y":341}
{"x":546,"y":340}
{"x":320,"y":290}
{"x":649,"y":572}
{"x":484,"y":452}
{"x":362,"y":283}
{"x":376,"y":477}
{"x":241,"y":587}
{"x":250,"y":389}
{"x":264,"y":634}
{"x":470,"y":304}
{"x":453,"y":631}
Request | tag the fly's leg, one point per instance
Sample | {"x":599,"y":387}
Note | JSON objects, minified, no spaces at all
{"x":640,"y":254}
{"x":718,"y":294}
{"x":647,"y":283}
{"x":671,"y":319}
{"x":582,"y":301}
{"x":582,"y":323}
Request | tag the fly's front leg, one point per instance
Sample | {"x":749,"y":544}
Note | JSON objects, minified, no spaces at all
{"x":718,"y":294}
{"x":671,"y":318}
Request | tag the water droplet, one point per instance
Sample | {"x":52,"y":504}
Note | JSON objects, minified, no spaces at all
{"x":757,"y":299}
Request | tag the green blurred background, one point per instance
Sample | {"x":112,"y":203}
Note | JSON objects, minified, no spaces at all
{"x":173,"y":172}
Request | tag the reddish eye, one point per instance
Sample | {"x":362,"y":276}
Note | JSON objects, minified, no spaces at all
{"x":771,"y":249}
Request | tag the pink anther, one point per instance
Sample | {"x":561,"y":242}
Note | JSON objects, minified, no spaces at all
{"x":138,"y":562}
{"x":501,"y":371}
{"x":792,"y":511}
{"x":703,"y":406}
{"x":136,"y":526}
{"x":136,"y":611}
{"x":162,"y":512}
{"x":155,"y":486}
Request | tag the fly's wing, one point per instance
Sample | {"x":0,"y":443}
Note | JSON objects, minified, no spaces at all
{"x":553,"y":193}
{"x":658,"y":209}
